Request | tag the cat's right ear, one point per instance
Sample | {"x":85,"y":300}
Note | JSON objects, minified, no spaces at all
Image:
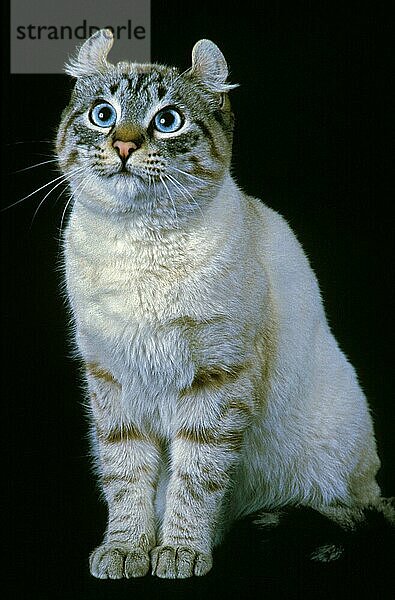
{"x":92,"y":56}
{"x":209,"y":65}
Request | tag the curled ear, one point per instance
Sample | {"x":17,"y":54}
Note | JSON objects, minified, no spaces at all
{"x":92,"y":56}
{"x":209,"y":65}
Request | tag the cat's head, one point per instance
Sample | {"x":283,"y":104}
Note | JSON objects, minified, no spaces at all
{"x":146,"y":138}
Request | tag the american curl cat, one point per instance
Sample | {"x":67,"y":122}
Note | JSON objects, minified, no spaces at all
{"x":216,"y":388}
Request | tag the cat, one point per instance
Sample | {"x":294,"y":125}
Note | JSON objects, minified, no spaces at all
{"x":216,"y":388}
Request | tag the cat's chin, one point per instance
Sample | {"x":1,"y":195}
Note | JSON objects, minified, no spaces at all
{"x":126,"y":195}
{"x":125,"y":181}
{"x":119,"y":193}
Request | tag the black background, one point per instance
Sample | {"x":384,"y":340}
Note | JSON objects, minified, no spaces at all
{"x":310,"y":140}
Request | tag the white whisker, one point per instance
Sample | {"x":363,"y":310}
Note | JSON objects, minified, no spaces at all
{"x":61,"y":221}
{"x":45,"y":162}
{"x":30,"y":142}
{"x":156,"y":196}
{"x":73,"y":196}
{"x":60,"y":195}
{"x":194,"y":177}
{"x":171,"y":200}
{"x":80,"y":188}
{"x":43,"y":200}
{"x":184,"y":191}
{"x":61,"y":177}
{"x":150,"y":205}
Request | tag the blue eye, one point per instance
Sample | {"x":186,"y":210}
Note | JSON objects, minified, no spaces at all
{"x":168,"y":120}
{"x":103,"y":115}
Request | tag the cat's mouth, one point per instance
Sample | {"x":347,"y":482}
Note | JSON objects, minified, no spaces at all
{"x":123,"y":172}
{"x":134,"y":171}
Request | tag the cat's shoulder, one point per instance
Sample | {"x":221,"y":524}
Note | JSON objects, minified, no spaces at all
{"x":263,"y":216}
{"x":275,"y":238}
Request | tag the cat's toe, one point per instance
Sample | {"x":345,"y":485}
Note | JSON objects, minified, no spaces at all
{"x":114,"y":561}
{"x":137,"y":563}
{"x":170,"y":562}
{"x":107,"y":562}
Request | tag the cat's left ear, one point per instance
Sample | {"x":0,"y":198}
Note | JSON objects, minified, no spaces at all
{"x":209,"y":65}
{"x":92,"y":56}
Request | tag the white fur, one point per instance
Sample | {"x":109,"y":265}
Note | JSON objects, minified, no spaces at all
{"x":216,"y":387}
{"x":239,"y":268}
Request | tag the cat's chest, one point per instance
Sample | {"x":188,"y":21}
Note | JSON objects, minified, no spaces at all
{"x":111,"y":277}
{"x":153,"y":308}
{"x":128,"y":300}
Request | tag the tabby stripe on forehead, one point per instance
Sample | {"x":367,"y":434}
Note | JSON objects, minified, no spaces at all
{"x":161,"y":92}
{"x":136,"y":83}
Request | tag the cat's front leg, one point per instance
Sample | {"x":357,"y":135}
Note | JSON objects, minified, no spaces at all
{"x":206,"y":447}
{"x":129,"y":462}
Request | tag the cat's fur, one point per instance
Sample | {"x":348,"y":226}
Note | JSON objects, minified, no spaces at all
{"x":216,"y":386}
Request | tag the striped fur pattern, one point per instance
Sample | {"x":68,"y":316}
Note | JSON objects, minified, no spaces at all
{"x":216,"y":388}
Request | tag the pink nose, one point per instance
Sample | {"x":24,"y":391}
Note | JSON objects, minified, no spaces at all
{"x":124,"y":149}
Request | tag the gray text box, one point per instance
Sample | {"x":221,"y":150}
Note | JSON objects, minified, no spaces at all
{"x":45,"y":33}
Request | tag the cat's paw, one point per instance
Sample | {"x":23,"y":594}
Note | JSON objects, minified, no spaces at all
{"x":116,"y":560}
{"x":179,"y":562}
